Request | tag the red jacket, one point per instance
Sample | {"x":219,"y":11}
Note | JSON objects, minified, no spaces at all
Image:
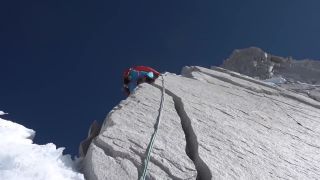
{"x":141,"y":68}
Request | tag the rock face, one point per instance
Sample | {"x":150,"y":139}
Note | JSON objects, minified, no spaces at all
{"x":216,"y":124}
{"x":254,"y":62}
{"x":93,"y":132}
{"x":118,"y":152}
{"x":302,"y":76}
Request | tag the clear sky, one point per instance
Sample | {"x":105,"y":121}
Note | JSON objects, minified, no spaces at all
{"x":61,"y":61}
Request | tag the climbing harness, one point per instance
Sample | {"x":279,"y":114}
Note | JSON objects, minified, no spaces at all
{"x":150,"y":146}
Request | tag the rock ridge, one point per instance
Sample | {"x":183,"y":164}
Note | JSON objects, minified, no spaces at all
{"x":217,"y":124}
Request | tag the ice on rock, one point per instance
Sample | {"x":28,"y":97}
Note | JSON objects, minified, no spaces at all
{"x":276,"y":80}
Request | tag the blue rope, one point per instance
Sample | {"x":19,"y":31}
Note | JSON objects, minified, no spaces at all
{"x":150,"y":147}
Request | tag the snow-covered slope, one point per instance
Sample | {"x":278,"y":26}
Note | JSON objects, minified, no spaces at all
{"x":216,"y":124}
{"x":20,"y":159}
{"x":300,"y":76}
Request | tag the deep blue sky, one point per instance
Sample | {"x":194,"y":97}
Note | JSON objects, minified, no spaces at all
{"x":61,"y":61}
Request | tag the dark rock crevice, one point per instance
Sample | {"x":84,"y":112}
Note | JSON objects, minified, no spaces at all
{"x":192,"y":145}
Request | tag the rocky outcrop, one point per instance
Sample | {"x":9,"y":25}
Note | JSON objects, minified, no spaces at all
{"x":216,"y":124}
{"x":256,"y":63}
{"x":93,"y":132}
{"x":118,"y":152}
{"x":302,"y":76}
{"x":252,"y":62}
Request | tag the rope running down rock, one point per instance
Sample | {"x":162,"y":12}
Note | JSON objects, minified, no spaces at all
{"x":150,"y":146}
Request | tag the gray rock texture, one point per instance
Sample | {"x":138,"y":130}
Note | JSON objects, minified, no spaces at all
{"x":93,"y":132}
{"x":216,"y":124}
{"x":119,"y":150}
{"x":254,"y":62}
{"x":302,"y":76}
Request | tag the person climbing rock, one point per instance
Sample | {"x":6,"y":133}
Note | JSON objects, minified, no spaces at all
{"x":137,"y":75}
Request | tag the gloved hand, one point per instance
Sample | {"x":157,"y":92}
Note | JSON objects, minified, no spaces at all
{"x":150,"y":75}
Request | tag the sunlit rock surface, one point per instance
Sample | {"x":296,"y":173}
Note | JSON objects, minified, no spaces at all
{"x":216,"y":124}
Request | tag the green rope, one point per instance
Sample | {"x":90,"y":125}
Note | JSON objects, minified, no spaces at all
{"x":150,"y":147}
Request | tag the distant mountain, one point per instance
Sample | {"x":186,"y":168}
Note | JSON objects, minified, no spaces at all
{"x":301,"y":76}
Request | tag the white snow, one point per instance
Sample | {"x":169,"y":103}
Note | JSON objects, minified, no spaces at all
{"x":20,"y":159}
{"x":275,"y":80}
{"x":2,"y":113}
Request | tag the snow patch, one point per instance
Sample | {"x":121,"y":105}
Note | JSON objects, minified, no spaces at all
{"x":20,"y":159}
{"x":271,"y":69}
{"x":2,"y":113}
{"x":275,"y":80}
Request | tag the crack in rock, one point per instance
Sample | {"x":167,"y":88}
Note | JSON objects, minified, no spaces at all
{"x":157,"y":163}
{"x":192,"y":145}
{"x":243,"y":77}
{"x":110,"y":151}
{"x":257,"y":90}
{"x":282,"y":92}
{"x":284,"y":111}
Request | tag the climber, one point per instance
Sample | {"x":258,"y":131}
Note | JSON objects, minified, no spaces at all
{"x":137,"y":75}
